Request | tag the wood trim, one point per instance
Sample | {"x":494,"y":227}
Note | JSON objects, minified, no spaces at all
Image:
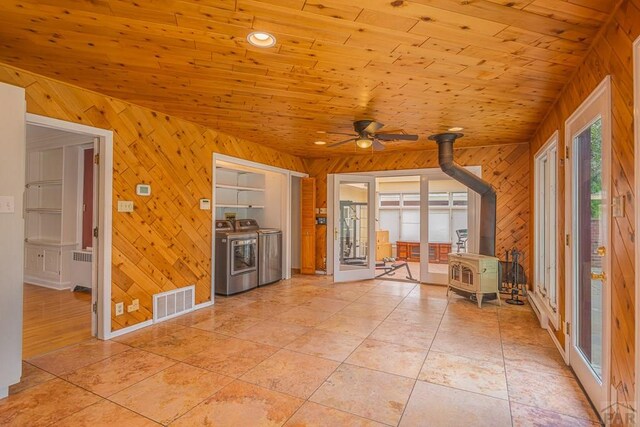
{"x":308,"y":226}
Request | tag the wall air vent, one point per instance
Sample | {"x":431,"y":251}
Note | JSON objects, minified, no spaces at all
{"x":167,"y":305}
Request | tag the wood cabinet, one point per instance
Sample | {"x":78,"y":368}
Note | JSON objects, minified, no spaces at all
{"x":308,"y":226}
{"x":383,"y":246}
{"x":439,"y":252}
{"x":48,"y":265}
{"x":408,"y":251}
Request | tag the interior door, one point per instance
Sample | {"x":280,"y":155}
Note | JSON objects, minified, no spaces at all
{"x":589,"y":221}
{"x":354,"y":227}
{"x":308,"y":226}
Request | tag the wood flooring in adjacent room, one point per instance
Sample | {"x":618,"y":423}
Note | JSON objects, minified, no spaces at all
{"x":54,"y":319}
{"x":309,"y":352}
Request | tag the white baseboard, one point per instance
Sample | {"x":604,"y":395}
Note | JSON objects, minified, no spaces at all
{"x":4,"y":392}
{"x":561,"y":349}
{"x":38,"y":281}
{"x":129,"y":329}
{"x":146,"y":323}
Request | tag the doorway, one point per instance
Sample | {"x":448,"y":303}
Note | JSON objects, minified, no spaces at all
{"x":420,"y":216}
{"x":60,"y":270}
{"x":588,"y":138}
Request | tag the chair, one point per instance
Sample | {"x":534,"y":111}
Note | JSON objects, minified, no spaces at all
{"x":463,"y":235}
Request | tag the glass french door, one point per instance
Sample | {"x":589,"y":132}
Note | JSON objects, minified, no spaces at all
{"x":354,"y":228}
{"x":590,"y":229}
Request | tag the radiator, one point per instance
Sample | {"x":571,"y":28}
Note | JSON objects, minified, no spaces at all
{"x":80,"y":271}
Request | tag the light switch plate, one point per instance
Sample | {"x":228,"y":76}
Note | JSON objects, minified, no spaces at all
{"x":7,"y":204}
{"x":125,"y":206}
{"x":119,"y":308}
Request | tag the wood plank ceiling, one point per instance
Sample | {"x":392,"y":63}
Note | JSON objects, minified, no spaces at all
{"x":491,"y":66}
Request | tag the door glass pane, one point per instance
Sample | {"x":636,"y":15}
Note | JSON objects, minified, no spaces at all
{"x":590,"y":231}
{"x":353,"y":225}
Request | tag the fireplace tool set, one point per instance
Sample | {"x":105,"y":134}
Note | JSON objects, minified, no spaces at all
{"x":514,"y":280}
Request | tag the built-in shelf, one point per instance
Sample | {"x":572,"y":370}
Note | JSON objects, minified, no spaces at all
{"x":44,"y":210}
{"x":239,"y":187}
{"x":240,"y":206}
{"x":44,"y":183}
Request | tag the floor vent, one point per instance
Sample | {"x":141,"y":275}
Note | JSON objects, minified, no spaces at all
{"x":167,"y":305}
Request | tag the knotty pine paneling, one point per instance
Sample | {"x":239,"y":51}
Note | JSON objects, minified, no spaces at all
{"x":166,"y":242}
{"x":494,"y":67}
{"x":506,"y":167}
{"x":611,"y":54}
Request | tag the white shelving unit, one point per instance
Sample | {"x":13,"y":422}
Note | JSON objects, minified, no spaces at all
{"x":51,"y":215}
{"x":241,"y":192}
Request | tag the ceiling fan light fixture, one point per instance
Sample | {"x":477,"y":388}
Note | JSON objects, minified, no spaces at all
{"x":456,"y":129}
{"x":261,"y":39}
{"x":364,"y":142}
{"x":320,"y":142}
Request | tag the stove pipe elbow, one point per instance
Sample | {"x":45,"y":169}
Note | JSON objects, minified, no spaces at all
{"x":483,"y":188}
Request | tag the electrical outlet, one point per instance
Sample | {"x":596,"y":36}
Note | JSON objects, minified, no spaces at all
{"x":136,"y":303}
{"x":125,"y":206}
{"x":119,"y":308}
{"x":131,"y":308}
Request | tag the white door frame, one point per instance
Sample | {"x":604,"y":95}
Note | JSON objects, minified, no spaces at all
{"x":104,"y":214}
{"x":576,"y":123}
{"x":636,"y":115}
{"x":426,"y":173}
{"x":356,"y":273}
{"x":549,"y":318}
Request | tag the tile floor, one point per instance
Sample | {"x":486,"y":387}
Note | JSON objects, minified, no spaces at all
{"x":308,"y":352}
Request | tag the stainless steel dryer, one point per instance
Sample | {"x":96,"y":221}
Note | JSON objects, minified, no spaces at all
{"x":269,"y":256}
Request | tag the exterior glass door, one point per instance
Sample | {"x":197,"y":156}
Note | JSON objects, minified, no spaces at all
{"x":588,"y":136}
{"x":354,"y":241}
{"x":590,"y":250}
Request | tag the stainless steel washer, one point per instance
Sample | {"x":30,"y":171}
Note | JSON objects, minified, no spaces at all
{"x":236,"y":261}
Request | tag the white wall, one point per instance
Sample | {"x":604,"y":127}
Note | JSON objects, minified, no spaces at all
{"x":295,"y":221}
{"x":12,"y":181}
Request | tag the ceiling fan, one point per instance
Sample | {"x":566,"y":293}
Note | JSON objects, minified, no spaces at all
{"x":367,"y":135}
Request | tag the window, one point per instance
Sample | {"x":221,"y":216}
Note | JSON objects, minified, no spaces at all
{"x":545,"y":233}
{"x":400,"y":215}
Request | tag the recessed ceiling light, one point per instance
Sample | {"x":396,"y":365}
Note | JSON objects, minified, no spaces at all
{"x":456,"y":129}
{"x":320,"y":142}
{"x":261,"y":39}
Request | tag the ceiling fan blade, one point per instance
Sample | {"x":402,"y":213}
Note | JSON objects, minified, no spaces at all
{"x":373,"y":128}
{"x":335,"y":144}
{"x":377,"y":145}
{"x":396,"y":137}
{"x":339,"y":133}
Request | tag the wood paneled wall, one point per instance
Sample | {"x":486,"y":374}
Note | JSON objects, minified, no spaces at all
{"x":611,"y":54}
{"x":166,"y":242}
{"x":506,"y":167}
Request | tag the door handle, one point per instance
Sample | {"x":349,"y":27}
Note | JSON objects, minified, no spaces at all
{"x":599,"y":276}
{"x":335,"y":234}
